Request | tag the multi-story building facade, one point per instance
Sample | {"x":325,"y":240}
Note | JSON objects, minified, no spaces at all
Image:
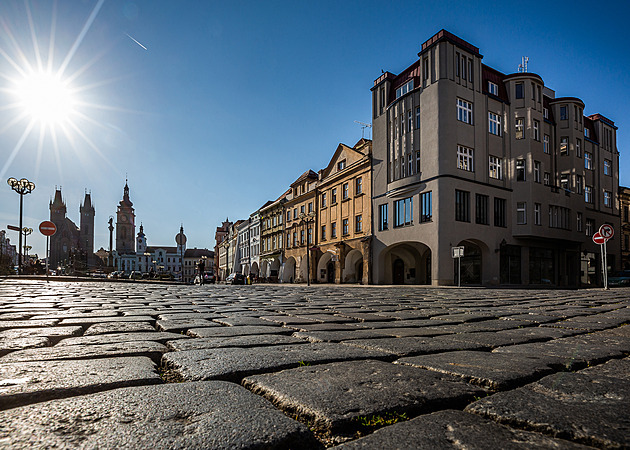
{"x":300,"y":210}
{"x":494,"y":163}
{"x":219,"y":236}
{"x":8,"y":254}
{"x":624,"y":232}
{"x":271,"y":237}
{"x":344,"y":217}
{"x":192,"y":258}
{"x":254,"y":243}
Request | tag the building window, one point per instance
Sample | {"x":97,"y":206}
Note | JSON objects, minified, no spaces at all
{"x":546,"y":148}
{"x":359,"y":186}
{"x":520,"y":90}
{"x":564,"y":115}
{"x":495,"y":168}
{"x":520,"y":170}
{"x":417,"y":118}
{"x":587,"y":133}
{"x":409,"y":121}
{"x":402,"y":90}
{"x":358,"y":223}
{"x":324,"y":200}
{"x":578,"y":184}
{"x":333,"y":230}
{"x":521,"y":213}
{"x":323,"y":232}
{"x":310,"y":236}
{"x":520,"y":128}
{"x":333,"y":196}
{"x":500,"y":217}
{"x":294,"y":213}
{"x":588,"y":194}
{"x":578,"y":148}
{"x":537,"y":171}
{"x":409,"y":164}
{"x":536,"y":130}
{"x":403,"y":212}
{"x":465,"y":158}
{"x":564,"y":145}
{"x":341,"y":164}
{"x":607,"y":199}
{"x":494,"y":124}
{"x":462,"y":206}
{"x":564,"y":181}
{"x":579,"y":222}
{"x":607,"y":167}
{"x":546,"y":179}
{"x":590,"y":227}
{"x":481,"y":209}
{"x":588,"y":160}
{"x":426,"y":200}
{"x":537,"y":207}
{"x":417,"y":162}
{"x":344,"y":191}
{"x":559,"y":217}
{"x":288,"y":216}
{"x":310,"y":207}
{"x":302,"y":207}
{"x":545,"y":113}
{"x":493,"y":88}
{"x":344,"y":227}
{"x":464,"y":111}
{"x":383,"y":223}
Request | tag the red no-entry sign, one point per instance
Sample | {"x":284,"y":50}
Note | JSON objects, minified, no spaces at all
{"x":598,"y":238}
{"x":47,"y":228}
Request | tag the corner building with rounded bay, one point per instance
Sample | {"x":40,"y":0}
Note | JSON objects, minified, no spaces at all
{"x":464,"y":155}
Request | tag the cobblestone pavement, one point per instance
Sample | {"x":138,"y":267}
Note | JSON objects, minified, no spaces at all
{"x":134,"y":365}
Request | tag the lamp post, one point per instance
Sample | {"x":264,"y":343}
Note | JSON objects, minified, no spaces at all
{"x":22,"y":187}
{"x":26,"y":231}
{"x":305,"y":219}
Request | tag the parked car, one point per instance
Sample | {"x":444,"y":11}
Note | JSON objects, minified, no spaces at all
{"x":135,"y":275}
{"x":114,"y":274}
{"x":209,"y":278}
{"x":619,"y":278}
{"x":235,"y":278}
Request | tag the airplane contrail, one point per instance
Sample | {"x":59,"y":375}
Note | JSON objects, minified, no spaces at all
{"x":136,"y":41}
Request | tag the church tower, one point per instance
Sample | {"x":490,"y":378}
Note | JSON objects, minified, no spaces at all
{"x":86,"y":229}
{"x":125,"y":225}
{"x":141,"y":242}
{"x":58,"y":244}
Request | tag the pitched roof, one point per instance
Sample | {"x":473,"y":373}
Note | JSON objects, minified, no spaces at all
{"x":306,"y":175}
{"x":198,"y":253}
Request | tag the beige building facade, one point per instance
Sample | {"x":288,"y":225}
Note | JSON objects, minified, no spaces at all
{"x":271,"y":239}
{"x":344,"y":217}
{"x":466,"y":156}
{"x":300,"y":212}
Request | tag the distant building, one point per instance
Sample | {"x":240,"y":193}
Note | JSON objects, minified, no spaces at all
{"x":192,"y":258}
{"x":272,"y":233}
{"x":8,"y":252}
{"x":624,"y":232}
{"x":71,"y":244}
{"x":219,"y":236}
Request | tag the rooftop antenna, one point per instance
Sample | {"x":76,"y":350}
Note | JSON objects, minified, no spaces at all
{"x":522,"y":67}
{"x":363,"y":127}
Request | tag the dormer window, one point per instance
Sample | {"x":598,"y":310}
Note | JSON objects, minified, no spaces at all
{"x":402,"y":90}
{"x":493,"y":88}
{"x":341,"y":164}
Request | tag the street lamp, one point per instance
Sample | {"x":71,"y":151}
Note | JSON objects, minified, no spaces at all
{"x":305,"y":219}
{"x":22,"y":187}
{"x":26,"y":231}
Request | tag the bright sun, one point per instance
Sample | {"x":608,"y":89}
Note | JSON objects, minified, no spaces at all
{"x":46,"y":98}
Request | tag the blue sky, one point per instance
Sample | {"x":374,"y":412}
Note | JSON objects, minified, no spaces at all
{"x":232,"y":101}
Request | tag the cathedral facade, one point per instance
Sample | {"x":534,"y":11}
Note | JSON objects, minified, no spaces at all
{"x":71,"y":244}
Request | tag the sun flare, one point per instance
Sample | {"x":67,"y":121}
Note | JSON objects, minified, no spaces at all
{"x":46,"y":98}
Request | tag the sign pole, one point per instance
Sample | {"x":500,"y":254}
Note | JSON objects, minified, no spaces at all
{"x":605,"y":266}
{"x":459,"y":271}
{"x":47,"y":257}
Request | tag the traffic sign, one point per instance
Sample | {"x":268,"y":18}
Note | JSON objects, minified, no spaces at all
{"x":458,"y":252}
{"x":14,"y":228}
{"x":606,"y":231}
{"x":598,"y":238}
{"x":47,"y":228}
{"x":180,"y":239}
